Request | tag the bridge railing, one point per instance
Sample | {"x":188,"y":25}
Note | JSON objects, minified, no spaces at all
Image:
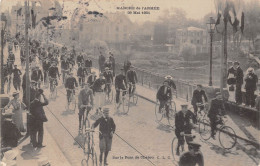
{"x":155,"y":80}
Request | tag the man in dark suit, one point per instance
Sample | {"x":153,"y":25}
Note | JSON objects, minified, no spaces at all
{"x":164,"y":94}
{"x":239,"y":82}
{"x":112,"y":59}
{"x":38,"y":117}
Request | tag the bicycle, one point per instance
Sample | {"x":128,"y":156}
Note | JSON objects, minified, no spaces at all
{"x":227,"y":136}
{"x":133,"y":96}
{"x":85,"y":121}
{"x":123,"y":102}
{"x":72,"y":100}
{"x":109,"y":95}
{"x":89,"y":150}
{"x":160,"y":114}
{"x":53,"y":88}
{"x":174,"y":146}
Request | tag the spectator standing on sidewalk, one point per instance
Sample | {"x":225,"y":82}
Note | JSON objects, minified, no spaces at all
{"x":251,"y":80}
{"x":239,"y":83}
{"x":112,"y":59}
{"x":107,"y":128}
{"x":38,"y":117}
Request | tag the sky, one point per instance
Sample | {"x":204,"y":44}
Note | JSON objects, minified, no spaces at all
{"x":195,"y":9}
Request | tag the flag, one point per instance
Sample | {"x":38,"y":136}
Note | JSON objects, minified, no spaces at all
{"x":19,"y":12}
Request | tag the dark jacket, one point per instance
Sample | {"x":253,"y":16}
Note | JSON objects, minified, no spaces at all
{"x":162,"y":96}
{"x":81,"y":72}
{"x":91,"y":79}
{"x":182,"y":122}
{"x":101,"y":60}
{"x":85,"y":97}
{"x":251,"y":81}
{"x":131,"y":76}
{"x":197,"y":97}
{"x":71,"y":83}
{"x":108,"y":64}
{"x":80,"y":59}
{"x":88,"y":63}
{"x":17,"y":74}
{"x":120,"y":82}
{"x":65,"y":64}
{"x":239,"y":76}
{"x":46,"y":65}
{"x":108,"y":76}
{"x":106,"y":126}
{"x":97,"y":86}
{"x":216,"y":108}
{"x":53,"y":72}
{"x":37,"y":111}
{"x":37,"y":75}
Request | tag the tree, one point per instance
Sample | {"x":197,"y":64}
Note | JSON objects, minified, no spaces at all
{"x":187,"y":51}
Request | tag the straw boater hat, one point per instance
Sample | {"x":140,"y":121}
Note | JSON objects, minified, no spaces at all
{"x":168,"y":77}
{"x":106,"y":68}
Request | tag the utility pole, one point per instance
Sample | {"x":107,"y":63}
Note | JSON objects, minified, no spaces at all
{"x":4,"y":22}
{"x":27,"y":53}
{"x":224,"y":72}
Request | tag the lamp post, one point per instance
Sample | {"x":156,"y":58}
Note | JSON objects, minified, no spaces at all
{"x":211,"y":30}
{"x":3,"y":22}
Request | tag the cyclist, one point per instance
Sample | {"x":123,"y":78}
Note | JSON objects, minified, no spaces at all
{"x":53,"y":73}
{"x":92,"y":78}
{"x":120,"y":84}
{"x":80,"y":59}
{"x":85,"y":98}
{"x":81,"y":74}
{"x":37,"y":76}
{"x":17,"y":78}
{"x":170,"y":81}
{"x":127,"y":65}
{"x":112,"y":59}
{"x":64,"y":68}
{"x":45,"y":66}
{"x":98,"y":89}
{"x":215,"y":112}
{"x":184,"y":121}
{"x":131,"y":80}
{"x":108,"y":64}
{"x":70,"y":85}
{"x":109,"y":79}
{"x":193,"y":157}
{"x":88,"y":64}
{"x":101,"y":62}
{"x":164,"y":95}
{"x":197,"y":98}
{"x":11,"y":57}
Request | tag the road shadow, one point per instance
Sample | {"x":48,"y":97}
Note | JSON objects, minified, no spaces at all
{"x":79,"y":141}
{"x":242,"y":124}
{"x":166,"y":128}
{"x":30,"y":153}
{"x":67,"y":112}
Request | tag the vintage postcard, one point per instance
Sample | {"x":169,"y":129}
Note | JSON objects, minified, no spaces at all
{"x":130,"y":82}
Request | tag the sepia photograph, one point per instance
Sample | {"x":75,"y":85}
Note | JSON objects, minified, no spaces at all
{"x":130,"y":83}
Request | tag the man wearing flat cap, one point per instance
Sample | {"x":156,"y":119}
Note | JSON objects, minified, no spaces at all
{"x":193,"y":156}
{"x":215,"y":112}
{"x":164,"y":95}
{"x":184,"y":121}
{"x":120,"y":84}
{"x":107,"y":128}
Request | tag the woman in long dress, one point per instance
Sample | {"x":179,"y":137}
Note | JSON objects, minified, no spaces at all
{"x":18,"y":107}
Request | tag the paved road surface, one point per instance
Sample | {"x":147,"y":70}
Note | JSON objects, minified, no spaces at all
{"x":140,"y":133}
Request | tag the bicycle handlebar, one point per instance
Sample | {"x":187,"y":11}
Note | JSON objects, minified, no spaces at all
{"x":91,"y":130}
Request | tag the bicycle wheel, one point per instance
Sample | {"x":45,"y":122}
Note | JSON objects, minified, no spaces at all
{"x":84,"y":162}
{"x":174,"y":149}
{"x":72,"y":104}
{"x":173,"y":106}
{"x":158,"y":114}
{"x":227,"y":137}
{"x":135,"y":98}
{"x":171,"y":118}
{"x":126,"y":104}
{"x":204,"y":129}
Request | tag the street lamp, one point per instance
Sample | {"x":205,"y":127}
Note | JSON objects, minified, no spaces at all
{"x":211,"y":30}
{"x":3,"y":23}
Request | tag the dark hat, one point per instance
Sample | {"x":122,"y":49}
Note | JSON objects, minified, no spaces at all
{"x":194,"y":145}
{"x":33,"y":82}
{"x":122,"y":69}
{"x":184,"y":105}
